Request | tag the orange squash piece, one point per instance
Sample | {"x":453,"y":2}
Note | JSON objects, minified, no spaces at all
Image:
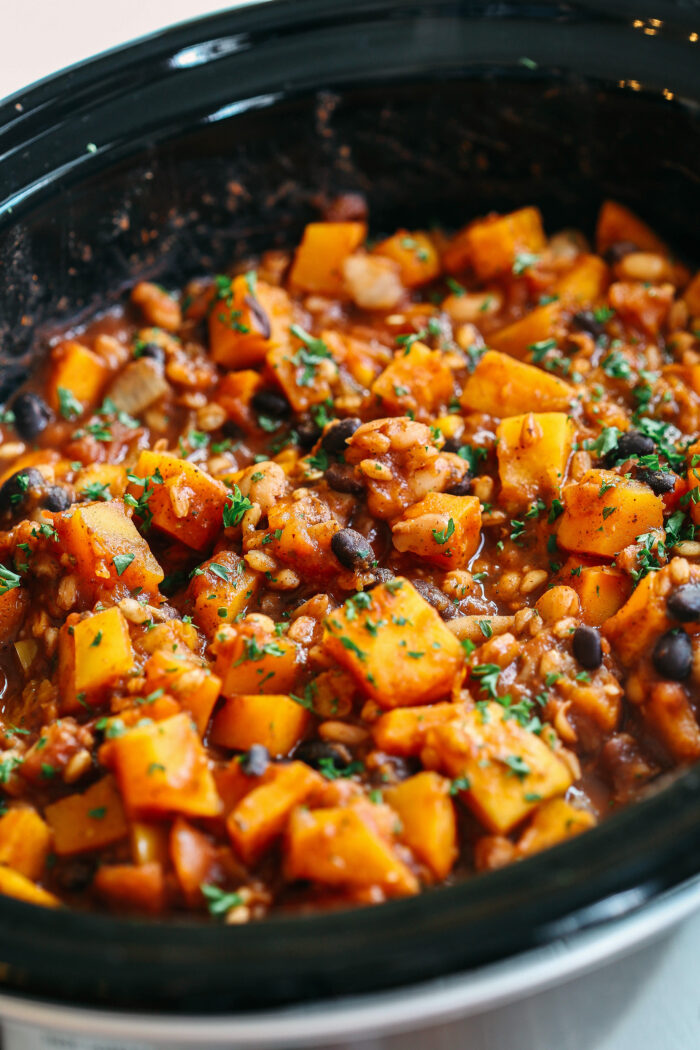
{"x":602,"y":591}
{"x":13,"y":608}
{"x":257,"y":661}
{"x":604,"y":512}
{"x":544,"y":322}
{"x":261,"y":816}
{"x":445,"y":530}
{"x":427,"y":814}
{"x":88,"y":821}
{"x":617,"y":223}
{"x":553,"y":821}
{"x":277,"y":722}
{"x":222,"y":589}
{"x":501,"y":386}
{"x":14,"y":884}
{"x":162,"y":768}
{"x":79,"y":372}
{"x":194,"y":858}
{"x":103,"y":652}
{"x":246,"y":319}
{"x":190,"y":682}
{"x":25,"y":840}
{"x":132,"y":887}
{"x":235,"y":394}
{"x":533,"y":451}
{"x":415,"y":254}
{"x":495,"y":242}
{"x":403,"y":730}
{"x":585,"y":283}
{"x":418,"y":380}
{"x":318,"y":263}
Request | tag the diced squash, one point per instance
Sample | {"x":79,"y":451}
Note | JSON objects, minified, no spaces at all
{"x":131,"y":887}
{"x":79,"y":372}
{"x":246,"y":319}
{"x":188,"y":680}
{"x":13,"y":884}
{"x":496,"y":241}
{"x":443,"y":529}
{"x":364,"y":359}
{"x":103,"y":651}
{"x":149,"y":842}
{"x":428,"y":824}
{"x":91,"y":821}
{"x":418,"y":380}
{"x":276,"y":722}
{"x":643,"y":618}
{"x":553,"y":821}
{"x":644,"y":305}
{"x":509,"y":769}
{"x":194,"y":858}
{"x":44,"y":459}
{"x":25,"y":840}
{"x":691,"y":296}
{"x":585,"y":283}
{"x":617,"y":223}
{"x":671,"y":718}
{"x":187,"y":503}
{"x":305,"y":377}
{"x":300,"y":533}
{"x":604,"y":512}
{"x":395,"y":645}
{"x":235,"y":393}
{"x":533,"y":451}
{"x":501,"y":386}
{"x":13,"y":607}
{"x":544,"y":322}
{"x":341,"y":847}
{"x":602,"y":591}
{"x":162,"y":768}
{"x":318,"y":263}
{"x":102,"y":539}
{"x":261,"y":816}
{"x":403,"y":730}
{"x":109,"y":476}
{"x":256,"y":661}
{"x":26,"y":650}
{"x":221,"y":590}
{"x":416,"y":255}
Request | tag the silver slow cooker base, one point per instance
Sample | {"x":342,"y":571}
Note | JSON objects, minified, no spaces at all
{"x":512,"y":1005}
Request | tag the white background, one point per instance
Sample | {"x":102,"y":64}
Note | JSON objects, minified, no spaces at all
{"x":647,"y":1003}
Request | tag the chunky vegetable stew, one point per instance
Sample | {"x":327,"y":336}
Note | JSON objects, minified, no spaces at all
{"x":366,"y":567}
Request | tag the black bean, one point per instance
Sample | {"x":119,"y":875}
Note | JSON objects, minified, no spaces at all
{"x":152,"y":350}
{"x":673,"y":655}
{"x":342,"y":479}
{"x":32,"y":415}
{"x":57,"y":498}
{"x":461,"y":487}
{"x":308,"y":433}
{"x":585,"y":321}
{"x":587,"y":648}
{"x":76,"y":875}
{"x":18,"y":489}
{"x":255,"y":761}
{"x":351,"y":548}
{"x":315,"y":752}
{"x":338,"y":434}
{"x":659,"y":481}
{"x":631,"y":443}
{"x":271,"y":403}
{"x":259,"y":316}
{"x":437,"y":598}
{"x":231,"y":430}
{"x":452,"y":445}
{"x":684,"y":603}
{"x":618,"y":251}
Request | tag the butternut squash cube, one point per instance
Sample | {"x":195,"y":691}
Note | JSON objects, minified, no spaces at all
{"x":109,"y":476}
{"x":500,"y":386}
{"x":254,"y":660}
{"x":544,"y":322}
{"x":585,"y":283}
{"x":277,"y":722}
{"x":261,"y":816}
{"x":187,"y":679}
{"x":533,"y":451}
{"x":13,"y":607}
{"x":416,"y":255}
{"x":194,"y":858}
{"x":429,"y":827}
{"x":25,"y":840}
{"x":604,"y":512}
{"x":418,"y":380}
{"x":221,"y":590}
{"x":553,"y":822}
{"x":132,"y":887}
{"x":305,"y":376}
{"x":162,"y":768}
{"x":403,"y":730}
{"x":102,"y":539}
{"x":395,"y":645}
{"x":318,"y":262}
{"x":602,"y":591}
{"x":617,"y":223}
{"x":187,"y":503}
{"x":494,"y":242}
{"x":79,"y":372}
{"x":103,"y":652}
{"x":443,"y":529}
{"x":341,"y":847}
{"x":247,"y":319}
{"x":14,"y":884}
{"x":509,"y":769}
{"x":671,"y":718}
{"x":235,"y":393}
{"x":90,"y":821}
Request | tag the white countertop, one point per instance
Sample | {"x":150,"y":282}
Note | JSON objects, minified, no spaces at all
{"x":648,"y":1002}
